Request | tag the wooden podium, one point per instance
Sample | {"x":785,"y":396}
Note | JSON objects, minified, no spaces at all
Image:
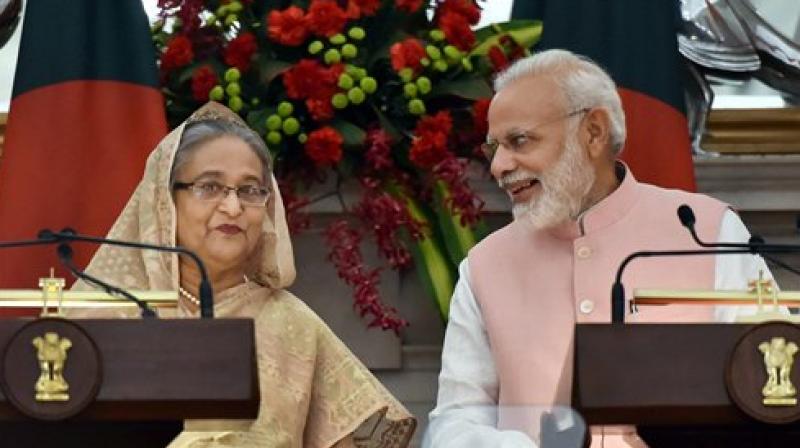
{"x":684,"y":385}
{"x":131,"y":382}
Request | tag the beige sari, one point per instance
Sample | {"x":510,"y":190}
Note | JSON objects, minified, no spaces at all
{"x":314,"y":392}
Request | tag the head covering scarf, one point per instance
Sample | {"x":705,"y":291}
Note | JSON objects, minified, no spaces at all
{"x":149,"y":217}
{"x":314,"y":392}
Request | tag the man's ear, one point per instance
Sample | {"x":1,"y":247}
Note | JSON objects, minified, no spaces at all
{"x":596,"y":129}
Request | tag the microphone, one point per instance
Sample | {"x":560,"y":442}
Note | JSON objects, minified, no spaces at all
{"x":756,"y":244}
{"x":687,"y":218}
{"x":65,"y":255}
{"x":67,"y":235}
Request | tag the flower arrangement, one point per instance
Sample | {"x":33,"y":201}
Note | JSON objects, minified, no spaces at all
{"x":392,"y":94}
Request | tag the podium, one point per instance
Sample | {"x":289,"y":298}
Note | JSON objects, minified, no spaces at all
{"x":131,"y":383}
{"x":684,"y":385}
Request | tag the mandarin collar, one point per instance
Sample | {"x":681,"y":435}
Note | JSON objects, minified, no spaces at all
{"x":608,"y":211}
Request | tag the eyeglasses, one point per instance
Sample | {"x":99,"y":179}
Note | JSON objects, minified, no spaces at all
{"x":516,"y":141}
{"x":249,"y":195}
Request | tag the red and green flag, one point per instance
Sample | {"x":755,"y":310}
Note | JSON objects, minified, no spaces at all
{"x":635,"y":41}
{"x":85,"y":112}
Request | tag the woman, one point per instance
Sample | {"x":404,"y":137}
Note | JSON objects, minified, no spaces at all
{"x":208,"y":187}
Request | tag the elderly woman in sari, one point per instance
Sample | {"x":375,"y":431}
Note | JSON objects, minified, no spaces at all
{"x":208,"y":186}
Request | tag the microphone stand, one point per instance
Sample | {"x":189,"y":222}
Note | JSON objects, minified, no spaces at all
{"x":206,"y":293}
{"x":65,"y":255}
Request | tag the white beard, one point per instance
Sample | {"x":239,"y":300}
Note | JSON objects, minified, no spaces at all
{"x":565,"y":188}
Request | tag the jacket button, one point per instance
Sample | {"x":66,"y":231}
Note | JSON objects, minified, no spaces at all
{"x":584,"y":252}
{"x":586,"y":306}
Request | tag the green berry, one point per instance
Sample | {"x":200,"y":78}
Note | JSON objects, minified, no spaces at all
{"x":416,"y":107}
{"x":230,"y":19}
{"x":351,"y":70}
{"x":285,"y":109}
{"x":425,"y":62}
{"x":340,"y":101}
{"x":233,"y":89}
{"x":211,"y":20}
{"x":452,"y":52}
{"x":291,"y":126}
{"x":360,"y":74}
{"x":368,"y":84}
{"x":437,"y":35}
{"x":410,"y":90}
{"x":440,"y":65}
{"x":274,"y":138}
{"x":234,"y":6}
{"x":302,"y":137}
{"x":345,"y":81}
{"x":236,"y":103}
{"x":338,"y":39}
{"x":349,"y":51}
{"x":273,"y":122}
{"x":315,"y":47}
{"x":356,"y":95}
{"x":406,"y":74}
{"x":424,"y":85}
{"x":467,"y":64}
{"x":217,"y":93}
{"x":255,"y":101}
{"x":433,"y":52}
{"x":357,"y":33}
{"x":232,"y":74}
{"x":332,"y":56}
{"x":222,"y":11}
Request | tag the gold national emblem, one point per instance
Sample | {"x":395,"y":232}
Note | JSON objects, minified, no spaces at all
{"x":778,"y":360}
{"x":52,"y":354}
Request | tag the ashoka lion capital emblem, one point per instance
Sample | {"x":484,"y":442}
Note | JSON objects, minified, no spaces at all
{"x":778,"y":360}
{"x":52,"y":354}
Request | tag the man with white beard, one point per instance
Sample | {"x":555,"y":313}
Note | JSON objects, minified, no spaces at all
{"x":556,"y":128}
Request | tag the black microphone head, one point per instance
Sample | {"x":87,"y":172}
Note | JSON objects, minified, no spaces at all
{"x":46,"y":234}
{"x":686,"y":215}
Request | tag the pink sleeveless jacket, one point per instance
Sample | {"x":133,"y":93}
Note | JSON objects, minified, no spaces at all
{"x":533,"y":286}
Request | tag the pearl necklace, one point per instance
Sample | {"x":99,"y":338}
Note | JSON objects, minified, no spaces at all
{"x":194,"y":300}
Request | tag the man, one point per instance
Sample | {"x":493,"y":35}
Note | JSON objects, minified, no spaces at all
{"x":556,"y":127}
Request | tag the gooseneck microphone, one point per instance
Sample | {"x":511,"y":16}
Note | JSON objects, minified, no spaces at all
{"x":67,"y":235}
{"x":756,"y":244}
{"x":65,"y":253}
{"x":686,"y":216}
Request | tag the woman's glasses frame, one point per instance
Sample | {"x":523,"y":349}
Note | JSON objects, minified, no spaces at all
{"x":212,"y":191}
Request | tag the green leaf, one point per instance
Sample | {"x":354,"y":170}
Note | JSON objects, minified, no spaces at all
{"x":524,"y":32}
{"x":351,"y":134}
{"x":387,"y":125}
{"x":458,"y":238}
{"x":471,"y":89}
{"x":271,"y":68}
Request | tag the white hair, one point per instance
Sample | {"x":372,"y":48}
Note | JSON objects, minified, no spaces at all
{"x":583,"y":83}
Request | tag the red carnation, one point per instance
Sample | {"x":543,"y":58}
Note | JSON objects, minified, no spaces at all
{"x":457,"y":31}
{"x":358,"y":8}
{"x":407,"y":53}
{"x":430,"y":140}
{"x":178,"y":53}
{"x":465,"y":8}
{"x":320,"y":108}
{"x":324,"y":146}
{"x":240,"y":50}
{"x":203,"y":80}
{"x":410,"y":6}
{"x":325,"y":18}
{"x":310,"y":79}
{"x":287,"y":27}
